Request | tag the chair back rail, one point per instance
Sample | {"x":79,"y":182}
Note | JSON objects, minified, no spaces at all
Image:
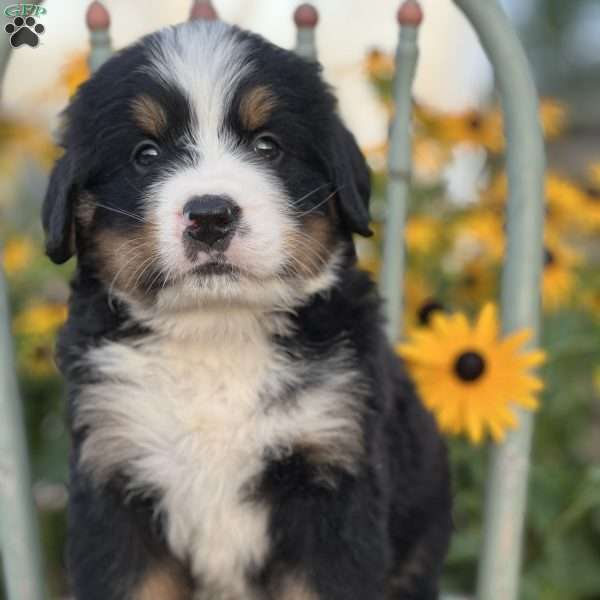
{"x":399,"y":167}
{"x":506,"y":494}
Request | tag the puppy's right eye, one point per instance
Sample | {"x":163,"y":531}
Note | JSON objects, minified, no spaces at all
{"x":145,"y":154}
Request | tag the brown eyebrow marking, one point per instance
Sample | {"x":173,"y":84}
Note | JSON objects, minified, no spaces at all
{"x":149,"y":115}
{"x":256,"y":106}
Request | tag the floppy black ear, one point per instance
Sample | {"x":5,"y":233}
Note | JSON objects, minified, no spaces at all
{"x":57,"y":211}
{"x":352,"y":179}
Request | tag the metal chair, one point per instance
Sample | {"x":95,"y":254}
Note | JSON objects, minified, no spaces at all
{"x":498,"y":577}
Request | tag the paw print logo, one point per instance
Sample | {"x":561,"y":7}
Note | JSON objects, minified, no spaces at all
{"x":24,"y":31}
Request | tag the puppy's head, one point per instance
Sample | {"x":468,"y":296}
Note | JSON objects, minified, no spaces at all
{"x":204,"y":164}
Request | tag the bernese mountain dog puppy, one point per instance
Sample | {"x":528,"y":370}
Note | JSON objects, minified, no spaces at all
{"x":241,"y":428}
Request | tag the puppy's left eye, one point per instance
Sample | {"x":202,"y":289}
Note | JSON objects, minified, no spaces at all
{"x":266,"y":147}
{"x":145,"y":154}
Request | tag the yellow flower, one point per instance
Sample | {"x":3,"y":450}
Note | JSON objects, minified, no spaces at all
{"x":471,"y":127}
{"x":38,"y":360}
{"x":376,"y":156}
{"x":469,"y":377}
{"x":17,"y":255}
{"x":591,"y":200}
{"x":483,"y":232}
{"x":558,"y":279}
{"x":422,"y":233}
{"x":591,"y":301}
{"x":429,"y":159}
{"x":417,"y":293}
{"x":368,"y":256}
{"x":379,"y":65}
{"x":19,"y":139}
{"x":564,"y":201}
{"x":75,"y":72}
{"x":553,"y":117}
{"x":496,"y":192}
{"x":41,"y":319}
{"x":476,"y":283}
{"x":485,"y":127}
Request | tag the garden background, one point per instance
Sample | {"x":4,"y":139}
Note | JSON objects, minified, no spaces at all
{"x":455,"y":241}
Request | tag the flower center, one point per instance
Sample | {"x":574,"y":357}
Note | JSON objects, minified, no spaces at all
{"x":549,"y":258}
{"x":469,"y":366}
{"x":475,"y":122}
{"x":427,"y":309}
{"x":594,"y":193}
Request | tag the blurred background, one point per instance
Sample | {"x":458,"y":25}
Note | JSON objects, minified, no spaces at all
{"x":454,"y":235}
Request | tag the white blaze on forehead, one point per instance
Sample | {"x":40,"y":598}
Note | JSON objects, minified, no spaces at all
{"x":207,"y":60}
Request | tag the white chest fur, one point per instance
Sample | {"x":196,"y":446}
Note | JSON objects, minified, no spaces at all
{"x":191,"y":419}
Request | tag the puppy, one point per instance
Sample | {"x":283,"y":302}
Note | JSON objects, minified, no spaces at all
{"x":241,"y":428}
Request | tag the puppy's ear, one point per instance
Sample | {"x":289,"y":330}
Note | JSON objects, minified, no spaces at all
{"x":352,"y":179}
{"x":57,"y":211}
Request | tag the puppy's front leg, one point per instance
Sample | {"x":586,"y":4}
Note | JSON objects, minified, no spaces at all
{"x":328,"y":534}
{"x":115,"y":552}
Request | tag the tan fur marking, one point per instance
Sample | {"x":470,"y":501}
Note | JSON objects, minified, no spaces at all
{"x":165,"y":582}
{"x":415,"y":567}
{"x":256,"y":107}
{"x":84,"y":212}
{"x":295,"y":587}
{"x":128,"y":259}
{"x":149,"y":115}
{"x":311,"y":247}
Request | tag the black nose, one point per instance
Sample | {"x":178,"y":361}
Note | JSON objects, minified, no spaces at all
{"x":212,"y":220}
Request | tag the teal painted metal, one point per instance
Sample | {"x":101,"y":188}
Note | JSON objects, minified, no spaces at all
{"x":100,"y":48}
{"x":305,"y":43}
{"x":506,"y":493}
{"x":399,"y":174}
{"x":97,"y":19}
{"x":21,"y":557}
{"x":306,"y":18}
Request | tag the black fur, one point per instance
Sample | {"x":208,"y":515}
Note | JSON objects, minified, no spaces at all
{"x":378,"y":532}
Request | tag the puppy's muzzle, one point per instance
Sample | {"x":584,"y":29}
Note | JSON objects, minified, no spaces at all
{"x":211,"y":220}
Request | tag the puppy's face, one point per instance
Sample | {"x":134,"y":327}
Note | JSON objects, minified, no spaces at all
{"x":204,"y":164}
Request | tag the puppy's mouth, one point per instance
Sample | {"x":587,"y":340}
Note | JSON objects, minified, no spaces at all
{"x":217,"y":267}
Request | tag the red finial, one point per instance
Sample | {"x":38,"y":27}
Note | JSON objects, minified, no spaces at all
{"x":306,"y":15}
{"x":97,"y":17}
{"x":204,"y":10}
{"x":410,"y":13}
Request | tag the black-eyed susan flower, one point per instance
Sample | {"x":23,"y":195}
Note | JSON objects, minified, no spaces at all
{"x":483,"y":232}
{"x":20,"y":139}
{"x":17,"y":255}
{"x":40,"y":320}
{"x":75,"y":71}
{"x":471,"y":378}
{"x":369,"y":259}
{"x":591,"y":301}
{"x":417,"y":293}
{"x":475,"y":283}
{"x":37,"y":359}
{"x":564,"y":200}
{"x":591,"y":199}
{"x":379,"y":64}
{"x":472,"y":127}
{"x":559,"y":278}
{"x":422,"y":233}
{"x":430,"y":158}
{"x":564,"y":203}
{"x":553,"y":118}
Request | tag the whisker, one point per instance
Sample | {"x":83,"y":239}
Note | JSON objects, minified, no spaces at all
{"x":317,"y":206}
{"x":319,"y":187}
{"x":121,"y":211}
